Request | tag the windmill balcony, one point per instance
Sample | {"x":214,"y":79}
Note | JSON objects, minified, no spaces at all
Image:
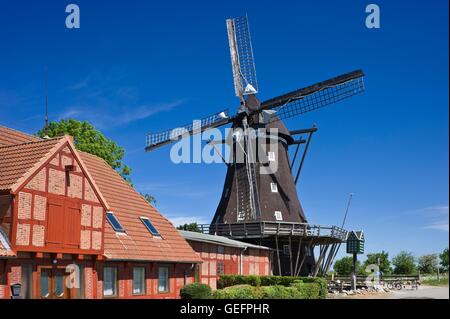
{"x":261,"y":229}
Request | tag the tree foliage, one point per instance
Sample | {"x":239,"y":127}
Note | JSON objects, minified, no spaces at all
{"x":344,"y":266}
{"x":444,"y":259}
{"x":383,"y":257}
{"x":149,"y":198}
{"x":404,"y":264}
{"x":90,"y":140}
{"x":428,"y":264}
{"x":190,"y":227}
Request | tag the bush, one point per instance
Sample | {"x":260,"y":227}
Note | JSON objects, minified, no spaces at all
{"x":256,"y":281}
{"x":313,"y":289}
{"x":323,"y":285}
{"x":196,"y":291}
{"x":309,"y":290}
{"x":237,"y":292}
{"x":280,"y":292}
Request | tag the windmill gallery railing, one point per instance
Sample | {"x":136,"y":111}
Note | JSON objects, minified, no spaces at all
{"x":269,"y":228}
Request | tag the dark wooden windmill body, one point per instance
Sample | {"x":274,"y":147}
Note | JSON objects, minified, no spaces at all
{"x":259,"y":201}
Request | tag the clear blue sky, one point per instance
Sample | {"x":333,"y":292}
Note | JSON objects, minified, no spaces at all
{"x":137,"y":66}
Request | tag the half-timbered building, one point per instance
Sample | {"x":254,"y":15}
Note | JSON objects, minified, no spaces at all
{"x":72,"y":227}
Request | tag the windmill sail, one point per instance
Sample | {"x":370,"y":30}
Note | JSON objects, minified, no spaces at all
{"x":316,"y":96}
{"x":241,"y":51}
{"x":154,"y":140}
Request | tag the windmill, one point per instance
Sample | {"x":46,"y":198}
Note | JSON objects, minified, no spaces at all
{"x":261,"y":205}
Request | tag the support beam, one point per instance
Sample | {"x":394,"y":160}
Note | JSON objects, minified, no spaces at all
{"x":303,"y":157}
{"x":290,"y":256}
{"x":298,"y":254}
{"x":278,"y":256}
{"x":304,"y":257}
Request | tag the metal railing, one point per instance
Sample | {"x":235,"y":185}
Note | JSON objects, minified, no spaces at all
{"x":267,"y":228}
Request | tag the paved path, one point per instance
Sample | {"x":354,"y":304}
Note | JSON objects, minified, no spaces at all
{"x":424,"y":292}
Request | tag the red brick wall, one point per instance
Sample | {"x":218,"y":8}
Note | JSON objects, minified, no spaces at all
{"x":254,"y":261}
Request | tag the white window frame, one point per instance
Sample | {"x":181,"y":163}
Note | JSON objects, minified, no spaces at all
{"x":141,"y":286}
{"x":274,"y":187}
{"x":271,"y":156}
{"x":278,"y":215}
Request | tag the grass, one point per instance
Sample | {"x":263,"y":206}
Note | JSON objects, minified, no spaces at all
{"x":432,"y":280}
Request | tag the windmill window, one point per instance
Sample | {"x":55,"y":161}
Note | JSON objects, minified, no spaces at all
{"x":152,"y":229}
{"x":114,"y":222}
{"x":271,"y":156}
{"x":278,"y":215}
{"x":274,"y":187}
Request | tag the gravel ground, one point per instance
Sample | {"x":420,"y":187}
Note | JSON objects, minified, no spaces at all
{"x":424,"y":292}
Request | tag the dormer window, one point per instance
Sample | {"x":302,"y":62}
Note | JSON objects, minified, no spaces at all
{"x":152,"y":229}
{"x":114,"y":222}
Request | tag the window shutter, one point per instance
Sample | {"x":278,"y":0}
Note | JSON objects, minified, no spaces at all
{"x":55,"y":221}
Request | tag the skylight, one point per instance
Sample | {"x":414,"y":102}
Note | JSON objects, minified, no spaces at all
{"x":152,"y":229}
{"x":114,"y":222}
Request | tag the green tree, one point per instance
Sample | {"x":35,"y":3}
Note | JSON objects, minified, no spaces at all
{"x":190,"y":227}
{"x":444,"y":259}
{"x":404,"y":264}
{"x":383,"y":258}
{"x":428,"y":264}
{"x":90,"y":140}
{"x":344,"y":266}
{"x":149,"y":198}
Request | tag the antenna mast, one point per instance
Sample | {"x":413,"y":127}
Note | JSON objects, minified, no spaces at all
{"x":46,"y":103}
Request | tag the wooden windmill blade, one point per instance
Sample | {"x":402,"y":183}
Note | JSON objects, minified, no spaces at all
{"x":316,"y":96}
{"x":155,"y":140}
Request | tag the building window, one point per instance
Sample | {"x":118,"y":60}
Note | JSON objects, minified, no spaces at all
{"x":220,"y":249}
{"x":271,"y":156}
{"x":163,"y":279}
{"x":152,"y":229}
{"x":114,"y":222}
{"x":278,"y":215}
{"x":274,"y":187}
{"x":286,"y":250}
{"x":138,"y":281}
{"x":109,"y":281}
{"x":220,"y":268}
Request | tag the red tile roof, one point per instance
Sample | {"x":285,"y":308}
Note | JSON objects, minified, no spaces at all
{"x":22,"y":154}
{"x":128,"y":205}
{"x":10,"y":136}
{"x":18,"y":160}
